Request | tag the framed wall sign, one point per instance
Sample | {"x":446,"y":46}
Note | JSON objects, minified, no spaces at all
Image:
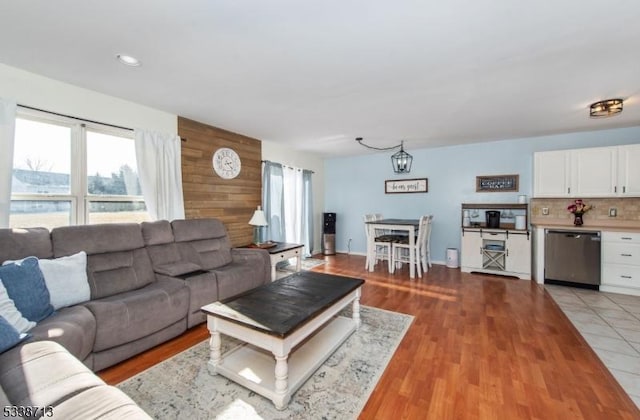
{"x":401,"y":186}
{"x":497,"y":183}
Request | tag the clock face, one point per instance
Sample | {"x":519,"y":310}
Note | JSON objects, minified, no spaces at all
{"x":226,"y":163}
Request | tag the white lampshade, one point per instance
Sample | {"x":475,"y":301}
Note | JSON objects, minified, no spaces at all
{"x":258,"y":218}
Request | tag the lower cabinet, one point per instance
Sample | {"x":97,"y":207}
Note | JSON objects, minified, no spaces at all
{"x":496,"y":251}
{"x":621,"y":262}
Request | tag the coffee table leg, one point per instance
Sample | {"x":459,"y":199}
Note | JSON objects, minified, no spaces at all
{"x":215,"y":344}
{"x":356,"y":310}
{"x":281,"y":398}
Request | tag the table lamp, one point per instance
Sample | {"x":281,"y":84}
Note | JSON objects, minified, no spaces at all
{"x":258,"y":221}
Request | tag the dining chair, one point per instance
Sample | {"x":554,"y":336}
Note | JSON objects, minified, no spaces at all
{"x":401,"y":249}
{"x":381,"y":243}
{"x":425,"y":250}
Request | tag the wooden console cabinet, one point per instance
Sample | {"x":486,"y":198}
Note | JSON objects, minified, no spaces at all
{"x":504,"y":251}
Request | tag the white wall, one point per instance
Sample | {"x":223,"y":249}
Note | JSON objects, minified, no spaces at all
{"x":285,"y":155}
{"x":51,"y":95}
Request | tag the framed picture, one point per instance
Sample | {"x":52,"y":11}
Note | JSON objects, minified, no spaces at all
{"x":402,"y":186}
{"x":497,"y":183}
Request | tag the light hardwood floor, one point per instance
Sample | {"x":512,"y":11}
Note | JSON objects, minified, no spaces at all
{"x":480,"y":347}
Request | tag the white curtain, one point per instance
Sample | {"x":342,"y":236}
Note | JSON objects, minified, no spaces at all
{"x":158,"y":156}
{"x":7,"y":135}
{"x":273,"y":200}
{"x":292,"y":204}
{"x":288,"y":205}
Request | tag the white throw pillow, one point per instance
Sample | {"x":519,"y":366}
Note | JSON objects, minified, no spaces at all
{"x":9,"y":312}
{"x":66,"y":279}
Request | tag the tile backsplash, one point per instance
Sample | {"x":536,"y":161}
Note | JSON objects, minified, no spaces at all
{"x":627,"y":209}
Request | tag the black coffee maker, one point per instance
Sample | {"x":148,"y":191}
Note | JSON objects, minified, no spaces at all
{"x":493,"y":219}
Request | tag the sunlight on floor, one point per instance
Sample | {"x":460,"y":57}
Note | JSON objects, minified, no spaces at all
{"x":429,"y":291}
{"x":239,"y":409}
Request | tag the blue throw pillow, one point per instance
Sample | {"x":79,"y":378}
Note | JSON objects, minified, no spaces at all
{"x":26,"y":287}
{"x":9,"y":336}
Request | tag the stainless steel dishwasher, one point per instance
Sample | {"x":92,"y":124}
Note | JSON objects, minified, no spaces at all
{"x":572,"y":257}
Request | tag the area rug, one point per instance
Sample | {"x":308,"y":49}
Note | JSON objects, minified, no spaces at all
{"x":306,"y":264}
{"x":182,"y":387}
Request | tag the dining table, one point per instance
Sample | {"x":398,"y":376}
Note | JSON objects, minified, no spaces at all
{"x":405,"y":225}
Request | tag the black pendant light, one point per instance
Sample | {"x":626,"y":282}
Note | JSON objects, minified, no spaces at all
{"x":400,"y":161}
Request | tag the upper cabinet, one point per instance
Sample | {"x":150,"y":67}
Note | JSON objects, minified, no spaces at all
{"x":629,"y":170}
{"x":551,"y":173}
{"x":591,"y":172}
{"x":594,"y":172}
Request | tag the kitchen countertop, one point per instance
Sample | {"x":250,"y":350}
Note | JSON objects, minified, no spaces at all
{"x":598,"y":224}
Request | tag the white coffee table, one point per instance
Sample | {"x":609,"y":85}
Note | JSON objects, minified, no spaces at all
{"x":272,"y":320}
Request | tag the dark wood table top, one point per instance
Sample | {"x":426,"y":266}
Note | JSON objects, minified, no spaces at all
{"x":407,"y":222}
{"x":280,"y":307}
{"x":276,"y":248}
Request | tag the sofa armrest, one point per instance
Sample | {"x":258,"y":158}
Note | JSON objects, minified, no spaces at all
{"x":256,"y":257}
{"x":177,"y":268}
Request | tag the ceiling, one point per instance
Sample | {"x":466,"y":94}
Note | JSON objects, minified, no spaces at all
{"x":316,"y":74}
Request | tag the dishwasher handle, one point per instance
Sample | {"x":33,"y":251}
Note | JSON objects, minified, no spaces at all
{"x":595,"y":236}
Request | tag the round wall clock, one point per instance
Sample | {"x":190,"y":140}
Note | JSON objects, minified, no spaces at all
{"x":226,"y":163}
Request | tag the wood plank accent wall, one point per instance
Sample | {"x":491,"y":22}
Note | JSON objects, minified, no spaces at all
{"x":206,"y":194}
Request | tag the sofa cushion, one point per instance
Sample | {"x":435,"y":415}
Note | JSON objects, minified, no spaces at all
{"x":203,"y":241}
{"x":66,"y":279}
{"x":203,"y":289}
{"x":116,"y":259}
{"x":9,"y":336}
{"x":117,"y":272}
{"x":26,"y":287}
{"x":131,"y":315}
{"x":4,"y":402}
{"x":96,"y":239}
{"x":19,"y":243}
{"x":43,"y":373}
{"x":101,"y":402}
{"x":157,"y":233}
{"x":11,"y":314}
{"x":73,"y":327}
{"x":185,"y":230}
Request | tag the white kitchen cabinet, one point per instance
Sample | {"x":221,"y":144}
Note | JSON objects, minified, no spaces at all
{"x":471,"y":249}
{"x":518,"y":257}
{"x":551,"y":173}
{"x":594,"y":172}
{"x":620,"y":262}
{"x":629,"y":170}
{"x":590,"y":172}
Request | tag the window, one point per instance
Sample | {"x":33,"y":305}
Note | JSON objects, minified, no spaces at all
{"x":66,"y":173}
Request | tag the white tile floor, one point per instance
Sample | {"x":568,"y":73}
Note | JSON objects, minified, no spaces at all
{"x":610,"y":323}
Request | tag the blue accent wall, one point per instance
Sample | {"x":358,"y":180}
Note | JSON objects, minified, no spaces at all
{"x":354,"y":186}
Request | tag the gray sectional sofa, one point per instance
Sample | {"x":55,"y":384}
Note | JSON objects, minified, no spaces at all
{"x":147,"y":282}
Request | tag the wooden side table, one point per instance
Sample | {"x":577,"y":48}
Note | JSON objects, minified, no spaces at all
{"x":281,"y":251}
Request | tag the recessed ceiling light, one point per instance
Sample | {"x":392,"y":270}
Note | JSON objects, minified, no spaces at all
{"x":128,"y":60}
